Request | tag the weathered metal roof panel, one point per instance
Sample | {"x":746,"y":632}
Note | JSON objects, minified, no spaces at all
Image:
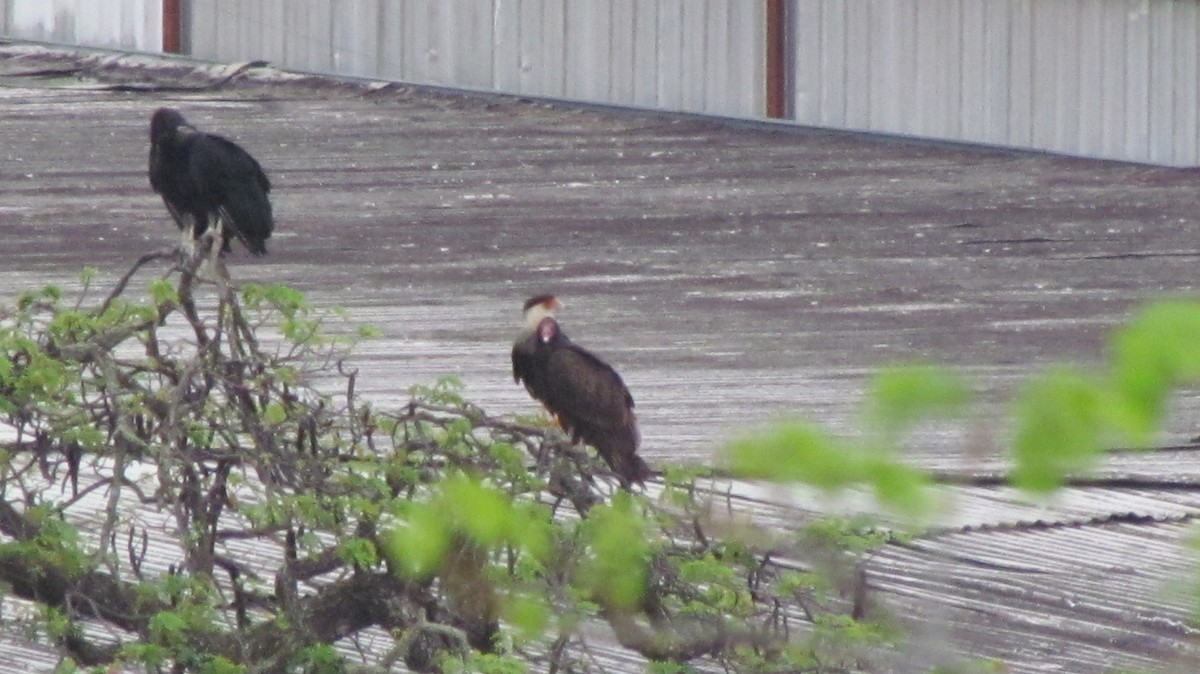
{"x":1097,"y":597}
{"x":733,"y":274}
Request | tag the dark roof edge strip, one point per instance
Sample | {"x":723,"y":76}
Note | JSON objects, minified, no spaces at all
{"x":1047,"y":525}
{"x":1129,"y":483}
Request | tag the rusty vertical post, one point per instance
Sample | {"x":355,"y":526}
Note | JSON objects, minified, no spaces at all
{"x":171,"y":22}
{"x":777,"y":66}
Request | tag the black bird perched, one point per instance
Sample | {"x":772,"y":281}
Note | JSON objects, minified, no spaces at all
{"x":209,"y":184}
{"x":584,"y":393}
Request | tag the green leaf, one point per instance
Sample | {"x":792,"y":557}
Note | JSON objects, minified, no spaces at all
{"x":531,"y":529}
{"x":163,"y":292}
{"x":359,"y":552}
{"x":417,"y":545}
{"x":318,"y":659}
{"x":668,"y":668}
{"x":902,"y":396}
{"x":282,"y":298}
{"x":299,"y":330}
{"x":287,"y":374}
{"x":151,"y":655}
{"x":797,"y":451}
{"x":792,"y":451}
{"x":274,"y":413}
{"x":615,"y":571}
{"x":1060,"y":422}
{"x":219,"y":665}
{"x":899,"y":485}
{"x":486,"y":663}
{"x":481,"y":512}
{"x":65,"y":666}
{"x":528,"y":613}
{"x":1155,"y":352}
{"x":446,"y":391}
{"x":167,"y":627}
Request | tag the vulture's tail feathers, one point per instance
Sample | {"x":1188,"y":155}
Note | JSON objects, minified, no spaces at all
{"x":247,"y":214}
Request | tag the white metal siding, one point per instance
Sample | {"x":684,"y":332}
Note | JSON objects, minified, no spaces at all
{"x":121,"y":24}
{"x":694,"y":55}
{"x":1108,"y":78}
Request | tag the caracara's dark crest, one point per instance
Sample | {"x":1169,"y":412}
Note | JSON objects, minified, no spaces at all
{"x":584,"y":393}
{"x":549,"y":303}
{"x":209,"y":183}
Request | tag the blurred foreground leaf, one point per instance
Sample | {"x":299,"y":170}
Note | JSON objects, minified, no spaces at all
{"x":904,"y":395}
{"x":1157,"y":351}
{"x":1060,"y":422}
{"x":618,"y":540}
{"x":799,"y":452}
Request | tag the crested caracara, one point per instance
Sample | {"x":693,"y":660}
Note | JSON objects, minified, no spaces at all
{"x":584,"y":393}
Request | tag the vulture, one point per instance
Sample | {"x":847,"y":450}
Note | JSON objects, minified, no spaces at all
{"x":209,"y":184}
{"x":587,"y":396}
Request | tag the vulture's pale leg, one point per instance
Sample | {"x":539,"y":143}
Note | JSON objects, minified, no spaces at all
{"x":187,"y":240}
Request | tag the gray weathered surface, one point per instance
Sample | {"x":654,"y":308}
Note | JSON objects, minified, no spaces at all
{"x":119,"y":24}
{"x":731,"y":274}
{"x":697,"y":55}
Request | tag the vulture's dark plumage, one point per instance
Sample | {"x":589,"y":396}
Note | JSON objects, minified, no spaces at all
{"x":584,"y":393}
{"x":209,"y":183}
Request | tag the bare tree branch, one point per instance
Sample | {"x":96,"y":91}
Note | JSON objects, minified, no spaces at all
{"x":281,"y":494}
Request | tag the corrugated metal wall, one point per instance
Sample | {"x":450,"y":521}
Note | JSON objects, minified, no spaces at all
{"x":121,"y":24}
{"x":699,"y":55}
{"x":1105,"y":78}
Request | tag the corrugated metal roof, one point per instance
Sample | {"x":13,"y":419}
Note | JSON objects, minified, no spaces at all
{"x":1096,"y":597}
{"x":733,"y":273}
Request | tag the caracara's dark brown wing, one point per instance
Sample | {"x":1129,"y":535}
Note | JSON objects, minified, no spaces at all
{"x":592,"y":403}
{"x":522,"y":360}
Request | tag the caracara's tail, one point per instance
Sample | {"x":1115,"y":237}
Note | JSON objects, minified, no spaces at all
{"x":618,"y":448}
